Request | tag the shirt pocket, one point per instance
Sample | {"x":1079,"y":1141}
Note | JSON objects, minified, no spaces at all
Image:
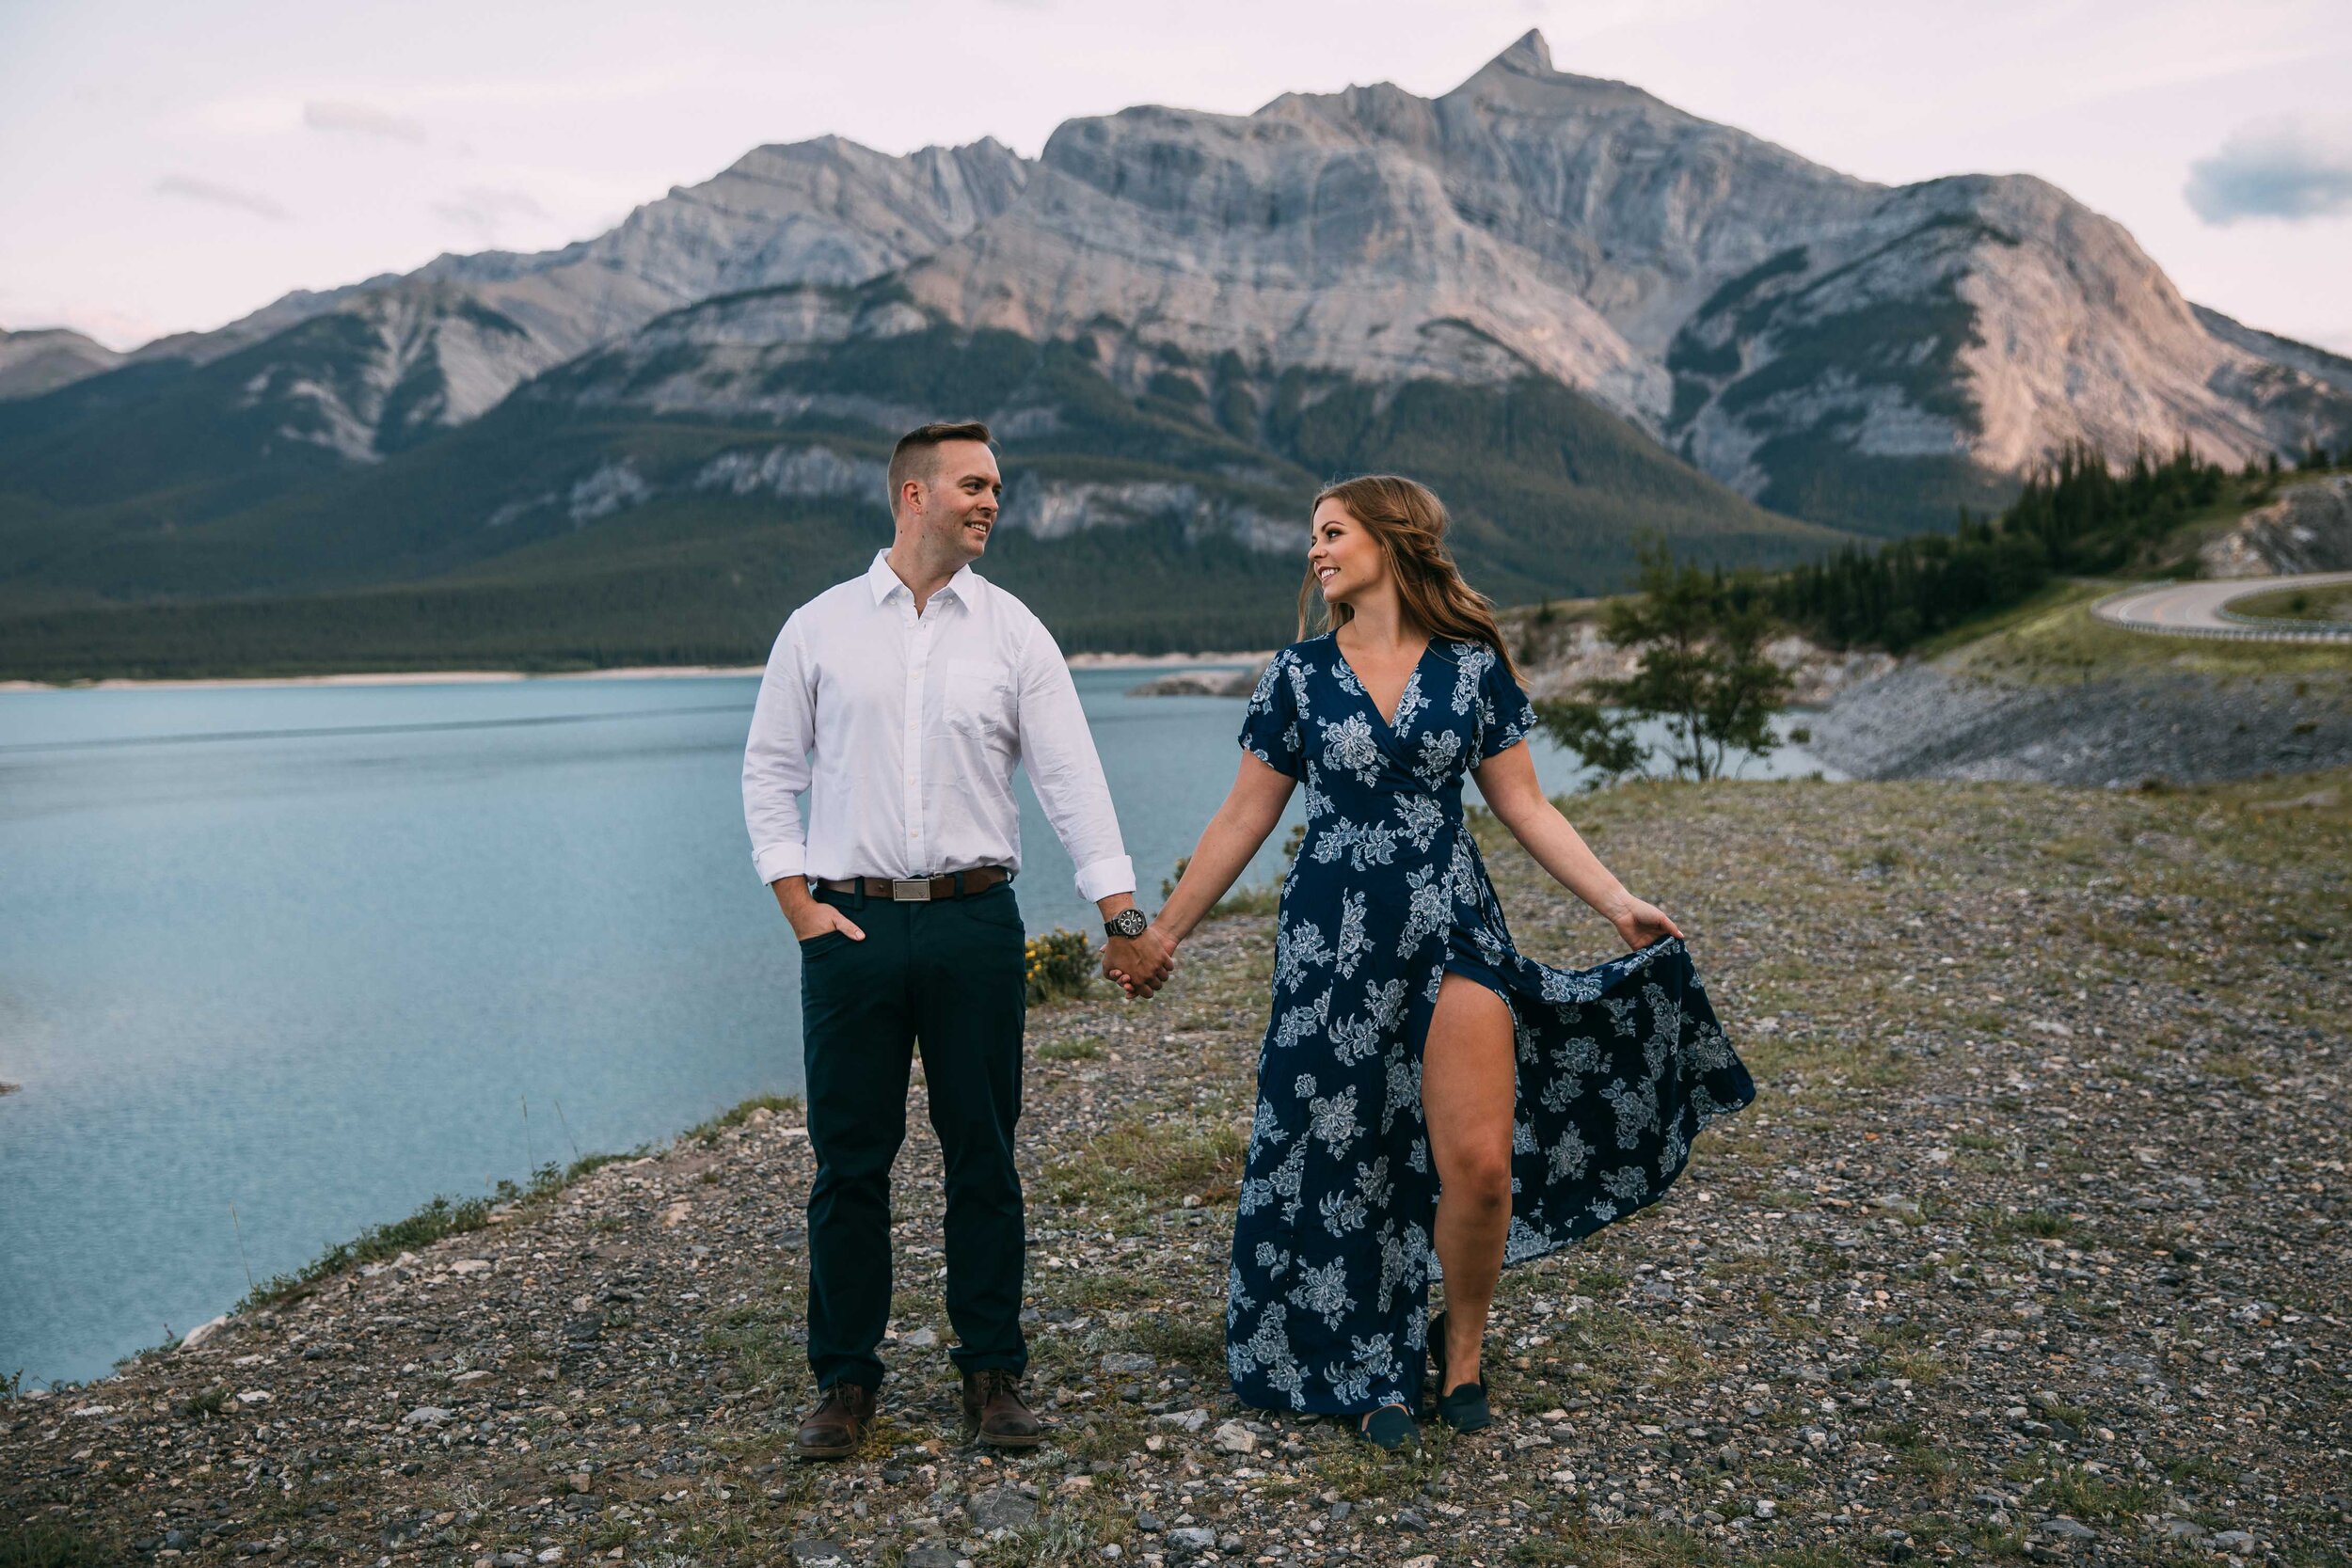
{"x":979,"y":702}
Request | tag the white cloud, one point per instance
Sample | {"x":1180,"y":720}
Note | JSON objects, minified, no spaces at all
{"x":2290,"y":168}
{"x":483,"y":212}
{"x":213,"y":193}
{"x":360,"y":120}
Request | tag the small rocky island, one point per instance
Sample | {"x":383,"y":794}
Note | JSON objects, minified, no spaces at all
{"x":1201,"y":683}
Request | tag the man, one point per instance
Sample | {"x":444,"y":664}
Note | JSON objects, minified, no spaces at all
{"x":901,"y":701}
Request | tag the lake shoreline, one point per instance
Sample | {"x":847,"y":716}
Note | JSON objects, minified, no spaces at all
{"x":474,"y":677}
{"x":2001,"y":1243}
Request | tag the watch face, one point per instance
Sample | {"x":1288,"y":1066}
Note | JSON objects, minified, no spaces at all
{"x":1129,"y":922}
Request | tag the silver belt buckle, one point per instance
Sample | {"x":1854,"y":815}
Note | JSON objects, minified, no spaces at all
{"x":917,"y":890}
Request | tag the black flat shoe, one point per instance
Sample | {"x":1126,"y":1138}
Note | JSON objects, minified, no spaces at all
{"x":1465,"y":1408}
{"x":1390,"y":1430}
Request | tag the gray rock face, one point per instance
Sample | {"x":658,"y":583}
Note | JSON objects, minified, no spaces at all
{"x":2308,"y":529}
{"x":1773,"y":320}
{"x":442,"y":344}
{"x":2331,"y":369}
{"x":1749,"y":307}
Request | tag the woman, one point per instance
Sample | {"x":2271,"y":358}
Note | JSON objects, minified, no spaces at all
{"x":1427,"y":1099}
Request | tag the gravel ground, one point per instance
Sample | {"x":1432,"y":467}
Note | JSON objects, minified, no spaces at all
{"x":2032,"y":1248}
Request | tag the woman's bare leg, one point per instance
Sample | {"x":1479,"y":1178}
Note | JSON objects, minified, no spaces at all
{"x":1468,"y":1094}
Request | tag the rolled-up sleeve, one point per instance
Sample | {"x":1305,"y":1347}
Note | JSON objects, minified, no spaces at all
{"x":775,"y":759}
{"x":1058,"y":749}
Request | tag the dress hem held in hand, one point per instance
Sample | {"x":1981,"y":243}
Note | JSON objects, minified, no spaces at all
{"x":1618,"y":1067}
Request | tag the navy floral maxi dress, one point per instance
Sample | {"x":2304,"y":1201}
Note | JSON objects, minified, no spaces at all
{"x":1618,"y":1067}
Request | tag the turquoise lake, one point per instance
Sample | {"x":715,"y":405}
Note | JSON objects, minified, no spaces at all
{"x":316,"y":954}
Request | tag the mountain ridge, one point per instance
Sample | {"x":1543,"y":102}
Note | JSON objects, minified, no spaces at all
{"x":1563,"y":276}
{"x":1528,"y":219}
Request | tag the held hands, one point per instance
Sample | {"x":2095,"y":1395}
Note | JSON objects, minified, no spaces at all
{"x":1140,"y":965}
{"x":1640,"y":923}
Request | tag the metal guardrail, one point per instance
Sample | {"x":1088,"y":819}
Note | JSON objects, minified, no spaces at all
{"x":2248,"y":628}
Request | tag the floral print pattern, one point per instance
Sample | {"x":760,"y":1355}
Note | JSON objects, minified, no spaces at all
{"x":1620,"y":1065}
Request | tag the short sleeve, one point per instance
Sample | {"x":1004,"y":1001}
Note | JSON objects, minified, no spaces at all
{"x":1505,"y":714}
{"x":1270,"y":728}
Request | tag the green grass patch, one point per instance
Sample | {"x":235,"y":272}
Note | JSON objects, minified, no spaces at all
{"x":756,"y":1340}
{"x":2063,"y":642}
{"x":2034,"y":1224}
{"x":1082,"y":1048}
{"x":1187,"y":1342}
{"x":1348,"y":1465}
{"x":46,"y":1545}
{"x":2051,"y":596}
{"x":2079,"y":1494}
{"x":2327,"y":603}
{"x":1641,"y":1545}
{"x":442,"y":1217}
{"x":707,"y":1133}
{"x":1158,"y":1162}
{"x":205,"y":1403}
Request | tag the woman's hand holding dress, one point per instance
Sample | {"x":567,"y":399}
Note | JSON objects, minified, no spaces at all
{"x":1642,"y":922}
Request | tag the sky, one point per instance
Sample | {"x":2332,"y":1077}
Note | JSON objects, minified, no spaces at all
{"x":170,"y":166}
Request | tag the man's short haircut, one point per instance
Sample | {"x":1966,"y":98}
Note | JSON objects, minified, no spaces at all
{"x":915,"y":456}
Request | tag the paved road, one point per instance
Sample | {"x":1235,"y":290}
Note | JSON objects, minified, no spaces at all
{"x":2199,"y":609}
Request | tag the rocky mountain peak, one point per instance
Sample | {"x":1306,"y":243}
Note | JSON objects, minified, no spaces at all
{"x":1529,"y":56}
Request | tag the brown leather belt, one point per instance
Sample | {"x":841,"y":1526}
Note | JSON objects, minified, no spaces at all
{"x":921,"y":890}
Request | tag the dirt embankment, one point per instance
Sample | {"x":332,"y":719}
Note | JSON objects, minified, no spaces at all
{"x":2058,"y":697}
{"x":1932,"y":721}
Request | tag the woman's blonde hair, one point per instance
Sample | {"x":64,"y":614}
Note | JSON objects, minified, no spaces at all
{"x":1408,"y":521}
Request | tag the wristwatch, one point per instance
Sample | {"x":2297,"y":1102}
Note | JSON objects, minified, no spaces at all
{"x":1128,"y":923}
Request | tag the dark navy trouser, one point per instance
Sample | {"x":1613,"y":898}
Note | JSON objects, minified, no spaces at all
{"x":948,"y":977}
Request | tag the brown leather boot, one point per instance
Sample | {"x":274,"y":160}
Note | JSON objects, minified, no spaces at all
{"x":839,"y":1425}
{"x":994,"y":1411}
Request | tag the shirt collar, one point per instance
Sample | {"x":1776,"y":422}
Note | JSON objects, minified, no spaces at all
{"x":880,"y":579}
{"x":882,"y":582}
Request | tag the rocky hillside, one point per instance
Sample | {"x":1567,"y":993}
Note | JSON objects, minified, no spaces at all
{"x":2308,"y":529}
{"x":441,"y":345}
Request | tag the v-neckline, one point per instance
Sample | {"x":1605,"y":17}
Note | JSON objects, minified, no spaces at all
{"x":1405,"y":690}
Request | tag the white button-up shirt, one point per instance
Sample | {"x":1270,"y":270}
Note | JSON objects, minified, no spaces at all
{"x":905,"y":729}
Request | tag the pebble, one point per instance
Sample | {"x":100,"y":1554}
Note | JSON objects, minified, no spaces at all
{"x":1002,"y":1508}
